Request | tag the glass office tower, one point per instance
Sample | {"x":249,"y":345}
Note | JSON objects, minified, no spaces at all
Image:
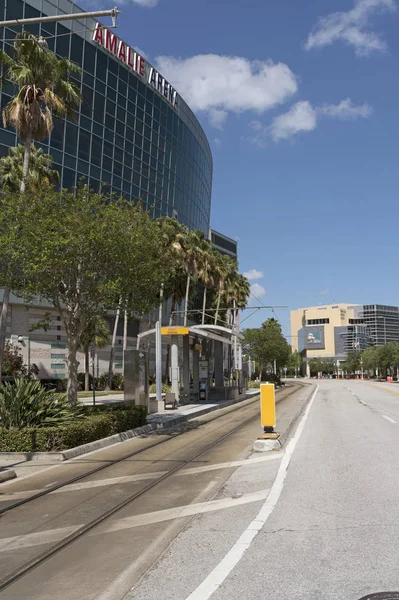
{"x":133,"y":132}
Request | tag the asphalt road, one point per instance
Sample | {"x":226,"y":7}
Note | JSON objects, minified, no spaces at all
{"x":334,"y":531}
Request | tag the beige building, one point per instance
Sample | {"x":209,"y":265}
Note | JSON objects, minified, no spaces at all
{"x":316,"y":329}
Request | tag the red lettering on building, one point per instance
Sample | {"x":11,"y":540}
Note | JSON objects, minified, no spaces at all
{"x":98,"y":34}
{"x":130,"y":58}
{"x":122,"y":51}
{"x":111,"y":42}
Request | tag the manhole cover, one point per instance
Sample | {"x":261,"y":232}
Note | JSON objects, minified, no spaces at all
{"x":382,"y":596}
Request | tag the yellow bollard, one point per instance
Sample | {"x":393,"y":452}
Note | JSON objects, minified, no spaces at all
{"x":267,"y":407}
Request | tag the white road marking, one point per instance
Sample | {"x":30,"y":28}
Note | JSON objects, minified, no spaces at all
{"x":183,"y":511}
{"x":389,"y":419}
{"x":54,"y":535}
{"x":211,"y":583}
{"x":117,"y":588}
{"x":140,"y":477}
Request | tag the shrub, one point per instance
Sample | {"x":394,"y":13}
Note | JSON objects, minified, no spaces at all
{"x":59,"y":385}
{"x":88,"y":429}
{"x":165,"y":388}
{"x":26,"y":403}
{"x":271,"y":378}
{"x":117,"y":381}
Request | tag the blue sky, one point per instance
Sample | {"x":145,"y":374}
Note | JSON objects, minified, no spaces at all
{"x":300,"y":102}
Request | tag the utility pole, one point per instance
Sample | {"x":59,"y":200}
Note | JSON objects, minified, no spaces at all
{"x":114,"y":12}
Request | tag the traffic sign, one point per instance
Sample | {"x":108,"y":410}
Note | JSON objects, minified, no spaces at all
{"x":174,"y":330}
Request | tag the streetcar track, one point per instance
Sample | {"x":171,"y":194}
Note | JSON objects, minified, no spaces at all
{"x":81,"y":531}
{"x":84,"y":529}
{"x":111,"y":463}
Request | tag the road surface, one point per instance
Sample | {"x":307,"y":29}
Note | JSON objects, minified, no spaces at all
{"x":334,"y":532}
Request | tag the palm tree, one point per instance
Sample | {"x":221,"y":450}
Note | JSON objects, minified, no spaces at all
{"x":172,"y":233}
{"x":236,"y":294}
{"x":40,"y":171}
{"x":206,"y":272}
{"x":191,"y":257}
{"x":96,"y":333}
{"x":224,"y":265}
{"x":43,"y":88}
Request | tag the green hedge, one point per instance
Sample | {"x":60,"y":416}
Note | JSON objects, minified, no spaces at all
{"x":91,"y":428}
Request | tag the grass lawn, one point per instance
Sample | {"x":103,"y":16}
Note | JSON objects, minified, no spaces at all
{"x":90,"y":394}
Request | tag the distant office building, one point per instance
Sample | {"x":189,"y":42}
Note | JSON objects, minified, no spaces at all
{"x":224,"y":244}
{"x":382,"y":322}
{"x":313,"y":329}
{"x":331,"y":331}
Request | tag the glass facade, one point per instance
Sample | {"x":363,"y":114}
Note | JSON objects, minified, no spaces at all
{"x":126,"y":135}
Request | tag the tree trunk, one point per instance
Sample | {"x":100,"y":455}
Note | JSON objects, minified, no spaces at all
{"x":73,"y":365}
{"x":112,"y":353}
{"x":87,"y":370}
{"x":203,"y":307}
{"x":218,"y":305}
{"x":186,"y":299}
{"x":3,"y":325}
{"x":172,"y":312}
{"x":28,"y":144}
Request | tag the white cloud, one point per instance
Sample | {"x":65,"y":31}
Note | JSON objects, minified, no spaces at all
{"x":217,"y":142}
{"x":346,"y":110}
{"x":254,"y":274}
{"x":142,"y":53}
{"x":324,"y":292}
{"x":147,"y":3}
{"x":257,"y":291}
{"x":255,"y":125}
{"x":301,"y":117}
{"x":351,"y":27}
{"x":220,"y":84}
{"x":217,"y":117}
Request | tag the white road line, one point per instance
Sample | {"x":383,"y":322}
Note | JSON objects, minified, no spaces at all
{"x":54,"y":535}
{"x":211,"y":583}
{"x":183,"y":511}
{"x":389,"y":419}
{"x":73,"y":487}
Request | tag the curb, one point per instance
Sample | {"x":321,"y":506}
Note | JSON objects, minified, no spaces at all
{"x":156,"y":424}
{"x":7,"y":474}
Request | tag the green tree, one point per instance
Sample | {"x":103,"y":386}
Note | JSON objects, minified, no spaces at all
{"x":325,"y":366}
{"x":295,"y":362}
{"x":80,"y":251}
{"x":42,"y":89}
{"x":267,"y":344}
{"x":353,"y":361}
{"x":171,"y":232}
{"x":206,"y":273}
{"x":371,"y":358}
{"x":236,"y":294}
{"x":224,"y":267}
{"x":95,"y":333}
{"x":40,"y":170}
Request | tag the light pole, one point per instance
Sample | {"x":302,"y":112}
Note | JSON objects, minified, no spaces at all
{"x":113,"y":12}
